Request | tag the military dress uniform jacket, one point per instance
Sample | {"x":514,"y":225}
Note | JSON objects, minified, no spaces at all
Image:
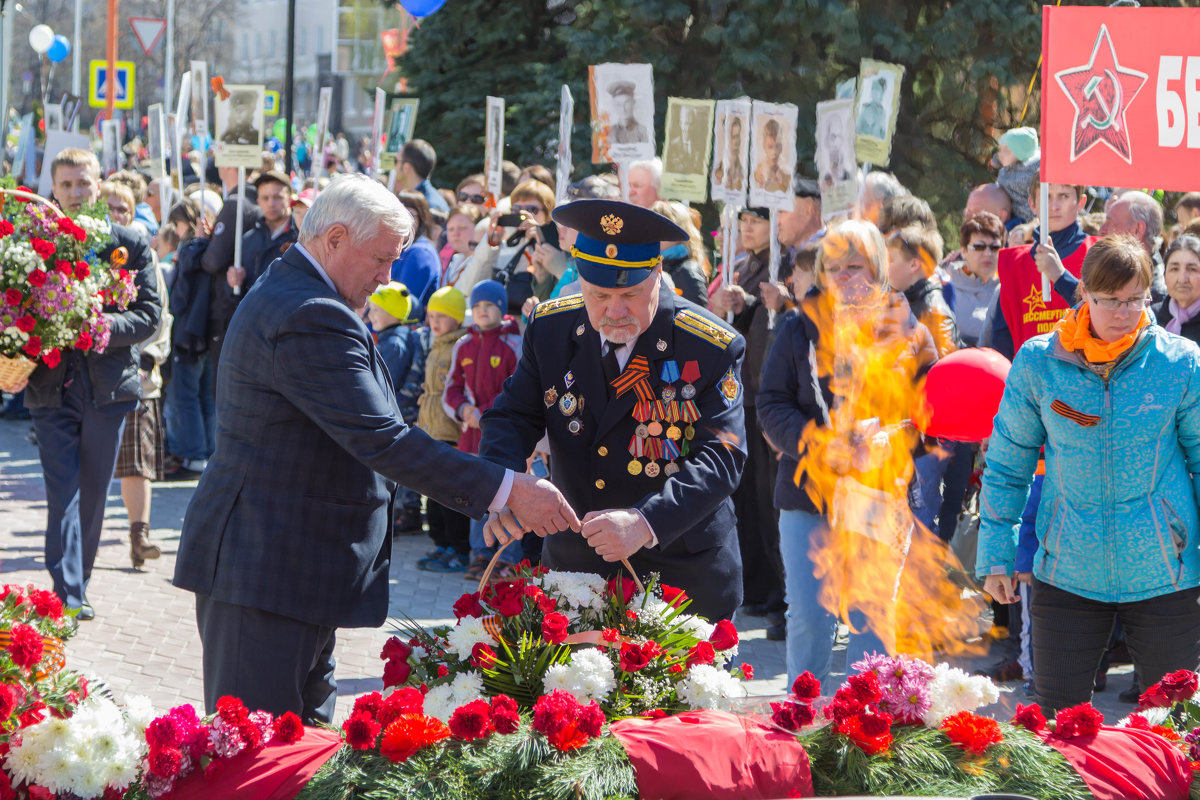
{"x":690,"y":511}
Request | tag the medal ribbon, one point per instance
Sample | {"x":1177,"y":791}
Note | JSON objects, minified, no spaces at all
{"x":670,"y":372}
{"x":660,"y":410}
{"x":654,"y":449}
{"x":636,"y":371}
{"x":670,"y":450}
{"x":641,"y":411}
{"x":689,"y":412}
{"x":691,"y":371}
{"x":637,"y":446}
{"x":673,"y":412}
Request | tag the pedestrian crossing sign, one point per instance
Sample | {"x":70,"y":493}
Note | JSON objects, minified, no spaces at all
{"x":98,"y":84}
{"x":271,"y":106}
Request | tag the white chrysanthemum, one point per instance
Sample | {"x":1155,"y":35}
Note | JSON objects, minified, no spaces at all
{"x":587,"y":676}
{"x":140,"y":712}
{"x":578,"y":589}
{"x":953,"y":690}
{"x":465,"y":635}
{"x":696,"y":626}
{"x":22,"y":763}
{"x":708,"y":687}
{"x":558,"y":677}
{"x":442,"y":701}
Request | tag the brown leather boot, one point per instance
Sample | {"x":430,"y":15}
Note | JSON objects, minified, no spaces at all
{"x":140,"y":546}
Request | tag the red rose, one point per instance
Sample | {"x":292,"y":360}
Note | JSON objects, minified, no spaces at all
{"x":508,"y":598}
{"x":633,"y":658}
{"x":806,"y":686}
{"x":971,"y":732}
{"x":1179,"y":685}
{"x":791,"y":716}
{"x":483,"y":656}
{"x":702,"y":653}
{"x":84,"y":342}
{"x":1155,"y":697}
{"x":546,"y":604}
{"x":9,"y":698}
{"x":410,"y":734}
{"x":533,"y":592}
{"x":6,"y":228}
{"x":472,"y":721}
{"x":288,"y":728}
{"x":361,"y":730}
{"x":82,"y":270}
{"x":408,"y":700}
{"x":12,"y":297}
{"x":33,"y":348}
{"x":621,"y":587}
{"x":1080,"y":720}
{"x":442,"y":670}
{"x":394,"y":648}
{"x":724,"y":636}
{"x":468,"y":606}
{"x":51,"y":357}
{"x":1030,"y":717}
{"x":505,"y":718}
{"x":591,"y":719}
{"x":38,"y":278}
{"x":25,"y":646}
{"x":554,"y":628}
{"x":748,"y":672}
{"x":865,"y":687}
{"x":672,"y":596}
{"x":165,"y":762}
{"x":26,"y":323}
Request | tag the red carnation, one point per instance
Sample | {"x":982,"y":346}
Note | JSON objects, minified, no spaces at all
{"x":408,"y":700}
{"x":673,"y":597}
{"x":442,"y":670}
{"x":38,"y":278}
{"x":1080,"y":720}
{"x":633,"y":657}
{"x":369,"y":703}
{"x":855,"y":728}
{"x":394,"y":648}
{"x":842,"y":708}
{"x":12,"y":297}
{"x":611,"y":635}
{"x":702,"y":653}
{"x":472,"y":721}
{"x":483,"y":656}
{"x":791,"y":716}
{"x":7,"y":792}
{"x":82,"y":270}
{"x":748,"y":672}
{"x":591,"y":719}
{"x":806,"y":686}
{"x":361,"y":730}
{"x":505,"y":718}
{"x":52,"y":357}
{"x":1030,"y":717}
{"x":553,"y":711}
{"x":288,"y":728}
{"x":533,"y":592}
{"x":675,"y":668}
{"x":232,"y":710}
{"x":9,"y":698}
{"x":165,"y":762}
{"x":46,"y":603}
{"x":410,"y":734}
{"x":84,"y":342}
{"x":971,"y":732}
{"x":26,"y":323}
{"x":33,"y":348}
{"x":65,"y":267}
{"x":622,"y":585}
{"x":725,"y":636}
{"x":468,"y":606}
{"x":25,"y":646}
{"x":1138,"y":722}
{"x":43,"y":248}
{"x":546,"y":604}
{"x":554,"y":628}
{"x":6,"y":228}
{"x":865,"y":687}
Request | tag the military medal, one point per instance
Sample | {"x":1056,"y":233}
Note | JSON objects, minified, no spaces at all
{"x":568,"y":405}
{"x":635,"y":467}
{"x":653,"y":451}
{"x":661,"y":345}
{"x":652,"y":469}
{"x":670,"y":451}
{"x":575,"y":426}
{"x":689,"y":413}
{"x":668,"y":394}
{"x":670,"y":374}
{"x":670,"y":469}
{"x":691,"y":374}
{"x":655,"y":428}
{"x":550,"y":397}
{"x":637,"y":447}
{"x":569,"y":379}
{"x":641,"y":412}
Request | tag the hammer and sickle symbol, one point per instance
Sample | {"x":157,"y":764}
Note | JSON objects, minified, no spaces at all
{"x":1092,"y":89}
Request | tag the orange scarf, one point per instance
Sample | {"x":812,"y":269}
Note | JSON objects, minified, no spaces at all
{"x":1075,"y":333}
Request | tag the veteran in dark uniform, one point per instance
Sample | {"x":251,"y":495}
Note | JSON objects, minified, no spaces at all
{"x":640,"y":394}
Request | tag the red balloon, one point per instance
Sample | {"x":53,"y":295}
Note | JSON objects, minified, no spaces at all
{"x":960,"y":395}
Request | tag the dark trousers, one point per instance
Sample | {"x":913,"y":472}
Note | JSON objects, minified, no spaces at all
{"x":954,"y":487}
{"x":448,"y":528}
{"x":78,"y":446}
{"x":758,"y":522}
{"x":1071,"y":633}
{"x":272,"y":662}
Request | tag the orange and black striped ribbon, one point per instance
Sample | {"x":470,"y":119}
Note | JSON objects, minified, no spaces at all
{"x":1086,"y":420}
{"x":636,"y":371}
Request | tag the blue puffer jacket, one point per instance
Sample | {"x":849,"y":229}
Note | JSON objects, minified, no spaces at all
{"x":1117,"y":521}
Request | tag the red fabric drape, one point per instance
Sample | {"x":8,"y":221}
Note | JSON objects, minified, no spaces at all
{"x":276,"y":772}
{"x":1127,"y":764}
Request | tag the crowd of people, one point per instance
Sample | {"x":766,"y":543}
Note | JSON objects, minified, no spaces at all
{"x":1088,"y":532}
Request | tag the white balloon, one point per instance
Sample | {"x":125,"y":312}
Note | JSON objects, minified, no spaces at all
{"x":40,"y":38}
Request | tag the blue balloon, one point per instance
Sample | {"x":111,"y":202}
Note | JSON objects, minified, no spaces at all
{"x":60,"y":49}
{"x":422,"y":8}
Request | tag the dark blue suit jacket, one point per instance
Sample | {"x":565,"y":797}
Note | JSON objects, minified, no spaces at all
{"x":294,"y":513}
{"x":690,"y":512}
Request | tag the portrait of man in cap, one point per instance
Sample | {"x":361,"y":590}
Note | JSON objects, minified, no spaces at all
{"x":241,"y":125}
{"x":735,"y":176}
{"x":873,"y":113}
{"x":626,"y":129}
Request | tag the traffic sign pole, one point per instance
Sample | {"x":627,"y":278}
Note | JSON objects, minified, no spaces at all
{"x":77,"y":53}
{"x":169,"y":60}
{"x":110,"y":88}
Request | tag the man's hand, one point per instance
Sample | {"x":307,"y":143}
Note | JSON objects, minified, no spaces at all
{"x":1048,"y":262}
{"x":234,"y":276}
{"x":501,"y":527}
{"x":617,"y":533}
{"x":537,"y":505}
{"x":731,"y":298}
{"x":774,"y":295}
{"x":1002,"y":588}
{"x":529,"y":305}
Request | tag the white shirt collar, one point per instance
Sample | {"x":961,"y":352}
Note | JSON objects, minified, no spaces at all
{"x":320,"y":270}
{"x":624,"y":351}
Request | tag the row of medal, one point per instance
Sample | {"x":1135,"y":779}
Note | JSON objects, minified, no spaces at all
{"x":660,"y":418}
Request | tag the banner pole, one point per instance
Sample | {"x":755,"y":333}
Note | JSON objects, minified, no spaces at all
{"x":237,"y":226}
{"x":1044,"y":226}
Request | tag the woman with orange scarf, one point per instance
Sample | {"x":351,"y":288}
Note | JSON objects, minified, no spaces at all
{"x":1115,"y":401}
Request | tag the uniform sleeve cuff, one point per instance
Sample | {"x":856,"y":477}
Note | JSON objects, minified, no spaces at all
{"x":653,"y":537}
{"x":501,"y":498}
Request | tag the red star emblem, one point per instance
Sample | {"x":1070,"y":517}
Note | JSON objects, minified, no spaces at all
{"x":1101,"y":92}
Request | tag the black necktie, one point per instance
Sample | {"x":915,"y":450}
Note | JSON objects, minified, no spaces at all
{"x":612,"y":368}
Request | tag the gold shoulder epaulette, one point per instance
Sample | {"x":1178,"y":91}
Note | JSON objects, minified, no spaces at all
{"x":707,"y":330}
{"x":549,"y":307}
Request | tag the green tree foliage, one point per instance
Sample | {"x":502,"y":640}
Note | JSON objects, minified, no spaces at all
{"x":967,"y":64}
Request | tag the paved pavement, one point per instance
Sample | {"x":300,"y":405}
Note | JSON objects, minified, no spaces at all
{"x":144,"y":640}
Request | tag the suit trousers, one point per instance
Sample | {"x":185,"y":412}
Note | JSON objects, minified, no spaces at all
{"x":758,"y":522}
{"x":272,"y":662}
{"x":78,"y":445}
{"x":1071,"y":633}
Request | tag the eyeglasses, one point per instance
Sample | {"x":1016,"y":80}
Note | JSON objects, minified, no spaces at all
{"x":528,"y":208}
{"x":463,"y":197}
{"x":979,"y":247}
{"x":1113,"y":304}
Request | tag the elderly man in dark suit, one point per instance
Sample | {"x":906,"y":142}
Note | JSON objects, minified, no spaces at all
{"x":78,"y":407}
{"x":288,"y":535}
{"x":643,"y":410}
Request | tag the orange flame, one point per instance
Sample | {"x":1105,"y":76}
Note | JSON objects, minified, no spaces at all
{"x":876,"y":559}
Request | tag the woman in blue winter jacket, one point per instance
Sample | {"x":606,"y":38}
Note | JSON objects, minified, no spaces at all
{"x":1115,"y":401}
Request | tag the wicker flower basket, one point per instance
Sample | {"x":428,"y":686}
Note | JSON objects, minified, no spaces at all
{"x":14,"y":372}
{"x":53,"y":656}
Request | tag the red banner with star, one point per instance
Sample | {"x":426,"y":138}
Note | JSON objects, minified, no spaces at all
{"x":1121,"y":97}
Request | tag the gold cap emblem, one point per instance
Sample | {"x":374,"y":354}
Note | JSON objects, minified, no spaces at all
{"x":611,"y":251}
{"x":612,"y":224}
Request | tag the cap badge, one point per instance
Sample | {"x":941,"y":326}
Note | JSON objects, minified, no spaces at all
{"x":612,"y":224}
{"x":611,"y":251}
